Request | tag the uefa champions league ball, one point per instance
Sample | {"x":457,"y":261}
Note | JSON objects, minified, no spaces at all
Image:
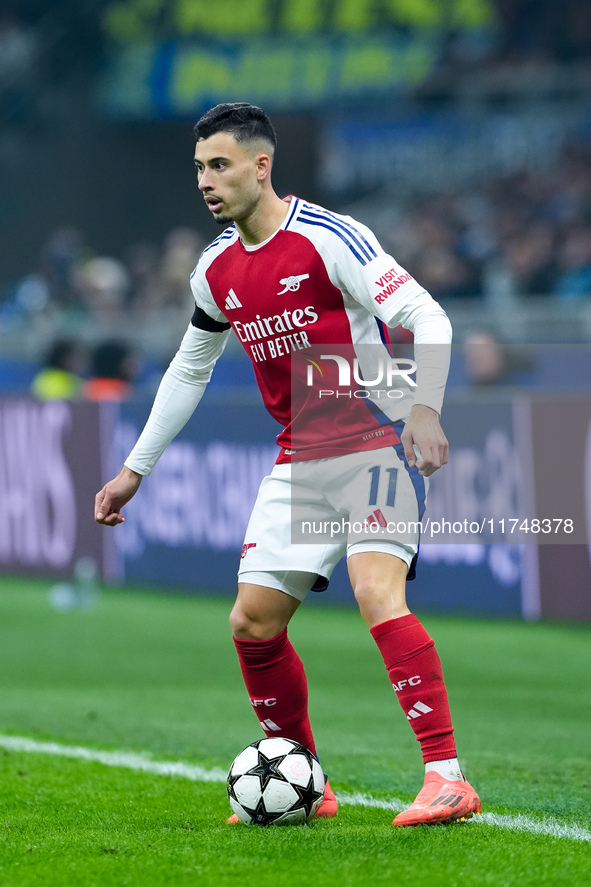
{"x":275,"y":782}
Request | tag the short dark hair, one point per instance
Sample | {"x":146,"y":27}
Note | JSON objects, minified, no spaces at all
{"x":245,"y":122}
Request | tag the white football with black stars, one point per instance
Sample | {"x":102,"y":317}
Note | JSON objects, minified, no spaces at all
{"x":275,"y":782}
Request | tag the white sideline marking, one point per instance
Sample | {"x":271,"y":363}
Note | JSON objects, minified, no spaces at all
{"x":132,"y":761}
{"x":517,"y":823}
{"x":546,"y":826}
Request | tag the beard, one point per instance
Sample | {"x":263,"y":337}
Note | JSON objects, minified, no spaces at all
{"x":222,"y":220}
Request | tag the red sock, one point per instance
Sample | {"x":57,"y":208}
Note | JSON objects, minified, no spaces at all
{"x":414,"y":669}
{"x":276,"y":683}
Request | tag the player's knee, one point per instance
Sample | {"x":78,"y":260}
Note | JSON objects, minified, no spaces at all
{"x":366,"y":592}
{"x":239,"y":622}
{"x":379,"y":601}
{"x":251,"y":625}
{"x":368,"y":587}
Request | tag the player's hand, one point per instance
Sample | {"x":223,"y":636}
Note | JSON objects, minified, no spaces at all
{"x":424,"y":431}
{"x":114,"y":495}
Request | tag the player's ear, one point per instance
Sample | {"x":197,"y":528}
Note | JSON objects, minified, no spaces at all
{"x":263,"y":166}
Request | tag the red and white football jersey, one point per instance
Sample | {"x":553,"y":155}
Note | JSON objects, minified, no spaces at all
{"x":321,"y":280}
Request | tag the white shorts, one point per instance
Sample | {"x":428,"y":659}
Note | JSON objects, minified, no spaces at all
{"x":309,"y":514}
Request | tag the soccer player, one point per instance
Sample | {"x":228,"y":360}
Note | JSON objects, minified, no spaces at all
{"x":288,"y":276}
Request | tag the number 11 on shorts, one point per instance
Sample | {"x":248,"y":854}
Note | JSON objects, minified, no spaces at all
{"x":375,"y":483}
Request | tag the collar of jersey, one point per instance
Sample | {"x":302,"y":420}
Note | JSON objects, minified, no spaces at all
{"x":288,"y":217}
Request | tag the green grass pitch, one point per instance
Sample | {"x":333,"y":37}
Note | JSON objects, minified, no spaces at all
{"x":158,"y":674}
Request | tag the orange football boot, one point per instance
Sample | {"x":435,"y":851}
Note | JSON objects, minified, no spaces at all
{"x":439,"y":801}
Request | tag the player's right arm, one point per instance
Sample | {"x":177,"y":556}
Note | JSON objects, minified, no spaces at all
{"x":114,"y":495}
{"x":180,"y":391}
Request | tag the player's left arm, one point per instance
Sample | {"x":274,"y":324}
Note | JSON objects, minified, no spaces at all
{"x":425,"y":444}
{"x":389,"y":292}
{"x":423,"y":435}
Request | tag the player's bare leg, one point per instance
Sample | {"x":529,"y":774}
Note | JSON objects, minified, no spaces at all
{"x":379,"y":584}
{"x":414,"y":669}
{"x":272,"y":671}
{"x":260,"y":613}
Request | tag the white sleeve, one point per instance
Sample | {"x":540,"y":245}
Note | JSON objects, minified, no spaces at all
{"x":179,"y":393}
{"x":389,"y":292}
{"x":432,"y":346}
{"x":369,"y":275}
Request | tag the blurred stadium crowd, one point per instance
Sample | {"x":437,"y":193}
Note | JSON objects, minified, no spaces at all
{"x":509,"y":237}
{"x":70,"y":278}
{"x":528,"y":234}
